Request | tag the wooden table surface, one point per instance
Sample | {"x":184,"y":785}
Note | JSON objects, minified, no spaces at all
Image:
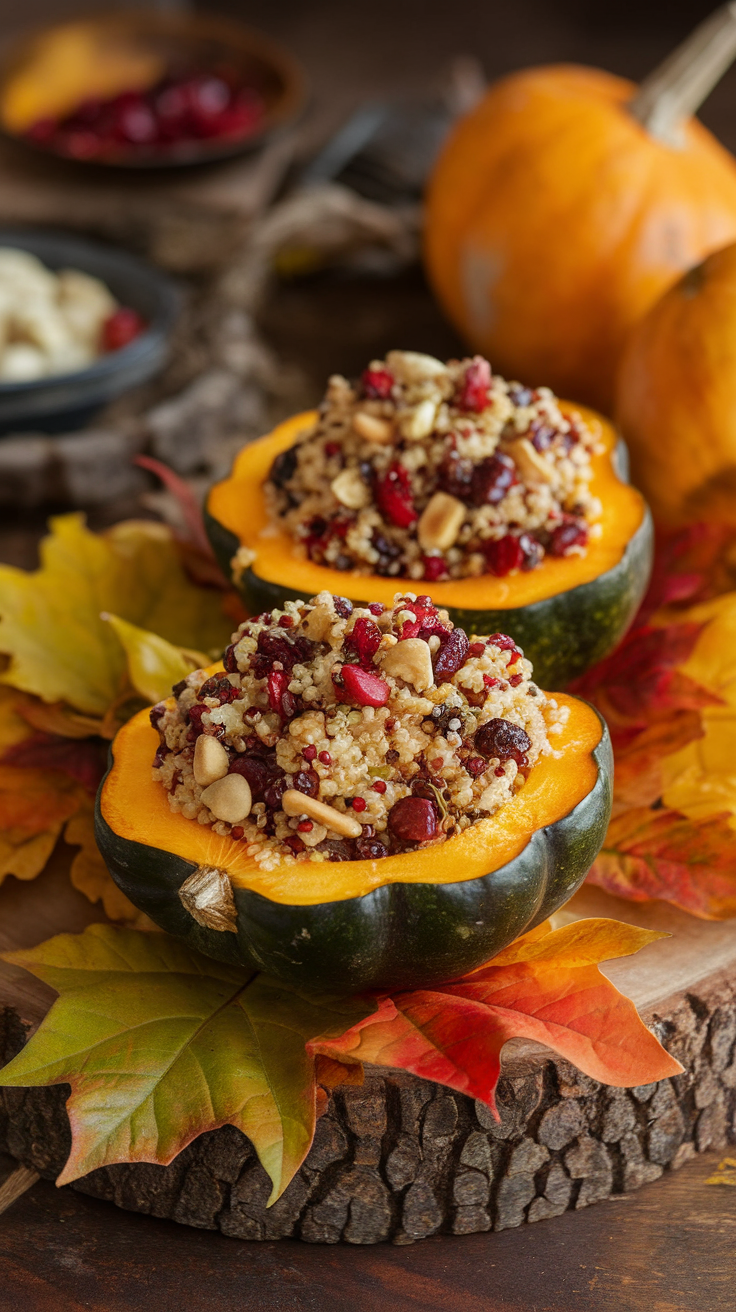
{"x":670,"y":1247}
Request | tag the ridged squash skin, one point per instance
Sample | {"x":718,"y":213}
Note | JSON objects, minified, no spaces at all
{"x":566,"y":615}
{"x":554,"y":220}
{"x":676,"y":399}
{"x":401,"y":922}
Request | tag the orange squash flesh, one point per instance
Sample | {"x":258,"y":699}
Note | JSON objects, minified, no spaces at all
{"x":136,"y":807}
{"x":238,"y":504}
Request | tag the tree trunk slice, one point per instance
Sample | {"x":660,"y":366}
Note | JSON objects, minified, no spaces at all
{"x":400,"y":1158}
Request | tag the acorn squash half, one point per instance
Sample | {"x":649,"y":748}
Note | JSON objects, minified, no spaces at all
{"x":402,"y":921}
{"x":566,"y":615}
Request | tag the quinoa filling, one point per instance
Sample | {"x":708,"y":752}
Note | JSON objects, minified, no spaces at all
{"x":338,"y":733}
{"x":433,"y":471}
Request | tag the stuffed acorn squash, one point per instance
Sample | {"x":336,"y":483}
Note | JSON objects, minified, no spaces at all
{"x":506,"y":505}
{"x":356,"y":798}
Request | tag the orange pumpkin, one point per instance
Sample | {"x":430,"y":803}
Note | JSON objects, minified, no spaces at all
{"x":555,"y":219}
{"x":676,"y":399}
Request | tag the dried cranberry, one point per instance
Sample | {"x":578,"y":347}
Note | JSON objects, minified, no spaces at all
{"x":413,"y":820}
{"x":503,"y":555}
{"x":283,"y":467}
{"x":363,"y":640}
{"x":376,"y":608}
{"x":195,"y":716}
{"x":160,"y":757}
{"x":307,"y":781}
{"x":364,"y":687}
{"x":532,"y":551}
{"x":295,"y":843}
{"x":336,"y":849}
{"x":456,"y":477}
{"x":370,"y":849}
{"x":476,"y":765}
{"x":502,"y":641}
{"x":279,"y":697}
{"x":388,"y":553}
{"x":179,"y":687}
{"x":515,"y":680}
{"x":435,"y":568}
{"x":332,"y":449}
{"x":220,"y":689}
{"x":542,"y":436}
{"x":260,"y":772}
{"x":343,"y":607}
{"x":229,"y":660}
{"x":451,"y":655}
{"x":476,"y":385}
{"x":276,"y":646}
{"x":572,"y":533}
{"x":237,"y":832}
{"x":274,"y":794}
{"x":156,"y":714}
{"x":476,"y":649}
{"x":501,"y":738}
{"x":394,"y":498}
{"x":492,"y":479}
{"x":521,"y":395}
{"x":121,"y":328}
{"x":377,"y":384}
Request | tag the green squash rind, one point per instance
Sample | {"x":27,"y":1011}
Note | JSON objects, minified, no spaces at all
{"x":398,"y":936}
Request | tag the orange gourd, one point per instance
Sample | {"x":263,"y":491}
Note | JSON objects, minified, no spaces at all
{"x":567,"y":201}
{"x":676,"y":397}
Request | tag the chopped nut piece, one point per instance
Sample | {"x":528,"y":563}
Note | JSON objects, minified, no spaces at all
{"x":229,"y":798}
{"x":410,"y":660}
{"x":373,"y":429}
{"x":211,"y":761}
{"x":440,"y":522}
{"x":414,"y":366}
{"x":296,"y":803}
{"x":419,"y":421}
{"x":531,"y":465}
{"x":350,"y":489}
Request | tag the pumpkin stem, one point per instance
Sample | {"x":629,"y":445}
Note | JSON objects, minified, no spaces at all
{"x":677,"y":88}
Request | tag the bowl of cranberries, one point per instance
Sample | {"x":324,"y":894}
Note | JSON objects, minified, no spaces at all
{"x":51,"y":284}
{"x":147,"y":89}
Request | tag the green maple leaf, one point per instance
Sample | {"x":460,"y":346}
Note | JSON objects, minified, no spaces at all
{"x":51,"y":622}
{"x":160,"y":1044}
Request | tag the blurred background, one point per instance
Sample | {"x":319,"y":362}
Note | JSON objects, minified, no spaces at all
{"x":280,"y":263}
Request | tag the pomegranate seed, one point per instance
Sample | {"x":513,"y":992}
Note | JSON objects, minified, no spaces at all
{"x":492,"y":479}
{"x":476,"y":385}
{"x":121,"y":328}
{"x":364,"y":687}
{"x":502,"y":641}
{"x":499,"y":771}
{"x":305,"y":826}
{"x":376,"y":608}
{"x":434,"y":567}
{"x":476,"y":649}
{"x":286,"y":622}
{"x":503,"y":555}
{"x":390,"y":724}
{"x":394,"y":498}
{"x":325,"y":758}
{"x":503,"y":739}
{"x":332,"y":448}
{"x":413,"y":820}
{"x":377,"y":384}
{"x":278,"y":684}
{"x":476,"y":765}
{"x":379,"y":786}
{"x":573,"y":533}
{"x":237,"y":831}
{"x":357,"y":803}
{"x":515,"y":680}
{"x":451,"y":655}
{"x":309,"y":753}
{"x":490,"y":682}
{"x":364,"y":639}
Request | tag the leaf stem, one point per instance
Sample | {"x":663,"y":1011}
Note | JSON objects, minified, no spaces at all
{"x":677,"y":88}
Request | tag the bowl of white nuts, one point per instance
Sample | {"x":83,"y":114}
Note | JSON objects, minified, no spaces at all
{"x":80,"y":323}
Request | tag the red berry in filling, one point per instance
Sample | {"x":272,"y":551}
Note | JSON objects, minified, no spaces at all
{"x":476,"y":765}
{"x":305,"y":826}
{"x":364,"y":687}
{"x":490,"y":682}
{"x":377,"y":384}
{"x":503,"y":555}
{"x":394,"y":498}
{"x":358,"y":803}
{"x":309,"y":753}
{"x":476,"y":649}
{"x":364,"y":640}
{"x":476,"y":385}
{"x":376,"y":608}
{"x":503,"y":739}
{"x":515,"y":680}
{"x":279,"y":697}
{"x":413,"y":820}
{"x":379,"y":786}
{"x":502,"y":641}
{"x":451,"y":655}
{"x":121,"y":328}
{"x":492,"y":479}
{"x":499,"y":771}
{"x":325,"y":758}
{"x":237,"y":831}
{"x":573,"y":533}
{"x":434,"y":567}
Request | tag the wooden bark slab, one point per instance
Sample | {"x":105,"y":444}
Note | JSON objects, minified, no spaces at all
{"x":401,"y":1158}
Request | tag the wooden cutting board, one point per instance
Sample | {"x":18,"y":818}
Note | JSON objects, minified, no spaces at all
{"x":401,"y":1158}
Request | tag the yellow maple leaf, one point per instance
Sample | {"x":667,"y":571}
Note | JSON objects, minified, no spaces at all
{"x":60,"y":648}
{"x":154,"y":665}
{"x":700,"y":779}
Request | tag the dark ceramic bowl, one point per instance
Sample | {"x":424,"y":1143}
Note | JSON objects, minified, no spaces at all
{"x":64,"y":400}
{"x":176,"y":40}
